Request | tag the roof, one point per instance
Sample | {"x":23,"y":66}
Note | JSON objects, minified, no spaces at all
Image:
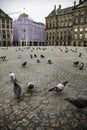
{"x":24,"y":15}
{"x":4,"y":15}
{"x":61,"y":11}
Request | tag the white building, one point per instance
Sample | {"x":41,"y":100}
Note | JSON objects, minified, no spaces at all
{"x":26,"y":32}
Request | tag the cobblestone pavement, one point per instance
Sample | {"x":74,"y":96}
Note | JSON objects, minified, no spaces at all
{"x":41,"y":110}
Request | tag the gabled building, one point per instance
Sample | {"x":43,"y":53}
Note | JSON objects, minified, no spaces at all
{"x":6,"y":29}
{"x":28,"y":32}
{"x":67,"y":26}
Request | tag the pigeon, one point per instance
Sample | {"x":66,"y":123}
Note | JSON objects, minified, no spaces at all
{"x":3,"y":58}
{"x":59,"y":87}
{"x":38,"y":61}
{"x":17,"y":90}
{"x":30,"y":86}
{"x":80,"y":54}
{"x":31,"y":56}
{"x":79,"y":102}
{"x":12,"y":76}
{"x":24,"y":64}
{"x":76,"y":63}
{"x":35,"y":55}
{"x":49,"y":62}
{"x":42,"y":56}
{"x":81,"y":66}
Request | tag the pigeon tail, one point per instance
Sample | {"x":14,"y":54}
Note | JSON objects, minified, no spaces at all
{"x":64,"y":83}
{"x":52,"y":89}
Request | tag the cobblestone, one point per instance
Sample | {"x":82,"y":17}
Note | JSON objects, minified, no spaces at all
{"x":42,"y":110}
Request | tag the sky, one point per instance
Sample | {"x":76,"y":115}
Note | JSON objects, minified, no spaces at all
{"x":36,"y":9}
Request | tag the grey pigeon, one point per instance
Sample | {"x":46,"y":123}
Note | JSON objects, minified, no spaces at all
{"x":59,"y":87}
{"x":79,"y":102}
{"x":17,"y":90}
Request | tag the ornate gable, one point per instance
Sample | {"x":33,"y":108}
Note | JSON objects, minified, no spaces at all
{"x":82,"y":4}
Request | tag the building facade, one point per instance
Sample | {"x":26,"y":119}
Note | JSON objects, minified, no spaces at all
{"x":67,"y":26}
{"x":6,"y":29}
{"x":27,"y":32}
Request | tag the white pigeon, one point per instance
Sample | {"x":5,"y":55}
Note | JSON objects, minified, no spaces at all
{"x":30,"y":86}
{"x":59,"y":87}
{"x":12,"y":76}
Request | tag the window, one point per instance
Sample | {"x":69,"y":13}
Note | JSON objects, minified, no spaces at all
{"x":66,"y":23}
{"x":80,"y":36}
{"x":81,"y":29}
{"x":77,"y":13}
{"x":76,"y":36}
{"x":3,"y":25}
{"x":86,"y":29}
{"x":82,"y":20}
{"x":70,"y":23}
{"x":76,"y":30}
{"x":3,"y":31}
{"x":85,"y":35}
{"x":3,"y":20}
{"x":7,"y":26}
{"x":4,"y":36}
{"x":82,"y":12}
{"x":76,"y":21}
{"x":7,"y":21}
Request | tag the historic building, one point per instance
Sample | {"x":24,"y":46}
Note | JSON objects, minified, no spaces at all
{"x":6,"y":30}
{"x":27,"y":32}
{"x":67,"y":26}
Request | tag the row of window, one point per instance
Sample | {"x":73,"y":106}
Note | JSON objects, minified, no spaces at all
{"x":80,"y":36}
{"x":80,"y":20}
{"x":68,"y":37}
{"x":65,"y":23}
{"x":80,"y":29}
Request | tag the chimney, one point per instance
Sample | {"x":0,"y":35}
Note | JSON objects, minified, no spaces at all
{"x":75,"y":3}
{"x":55,"y":7}
{"x":59,"y":7}
{"x":80,"y":1}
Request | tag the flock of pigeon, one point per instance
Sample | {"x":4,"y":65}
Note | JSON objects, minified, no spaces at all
{"x":79,"y":102}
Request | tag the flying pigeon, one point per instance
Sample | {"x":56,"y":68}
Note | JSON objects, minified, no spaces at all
{"x":12,"y":76}
{"x":24,"y":64}
{"x":79,"y":102}
{"x":30,"y":86}
{"x":17,"y":90}
{"x":59,"y":87}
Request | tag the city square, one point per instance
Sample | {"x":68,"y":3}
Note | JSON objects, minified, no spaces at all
{"x":42,"y":110}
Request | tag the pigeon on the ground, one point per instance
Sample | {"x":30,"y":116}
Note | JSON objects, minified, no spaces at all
{"x":79,"y":102}
{"x":38,"y":61}
{"x":76,"y":63}
{"x":24,"y":64}
{"x":12,"y":76}
{"x":81,"y":66}
{"x":59,"y":87}
{"x":30,"y":86}
{"x":49,"y":62}
{"x":3,"y":58}
{"x":80,"y":54}
{"x":17,"y":90}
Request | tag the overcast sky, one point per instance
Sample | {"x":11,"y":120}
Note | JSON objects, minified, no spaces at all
{"x":36,"y":9}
